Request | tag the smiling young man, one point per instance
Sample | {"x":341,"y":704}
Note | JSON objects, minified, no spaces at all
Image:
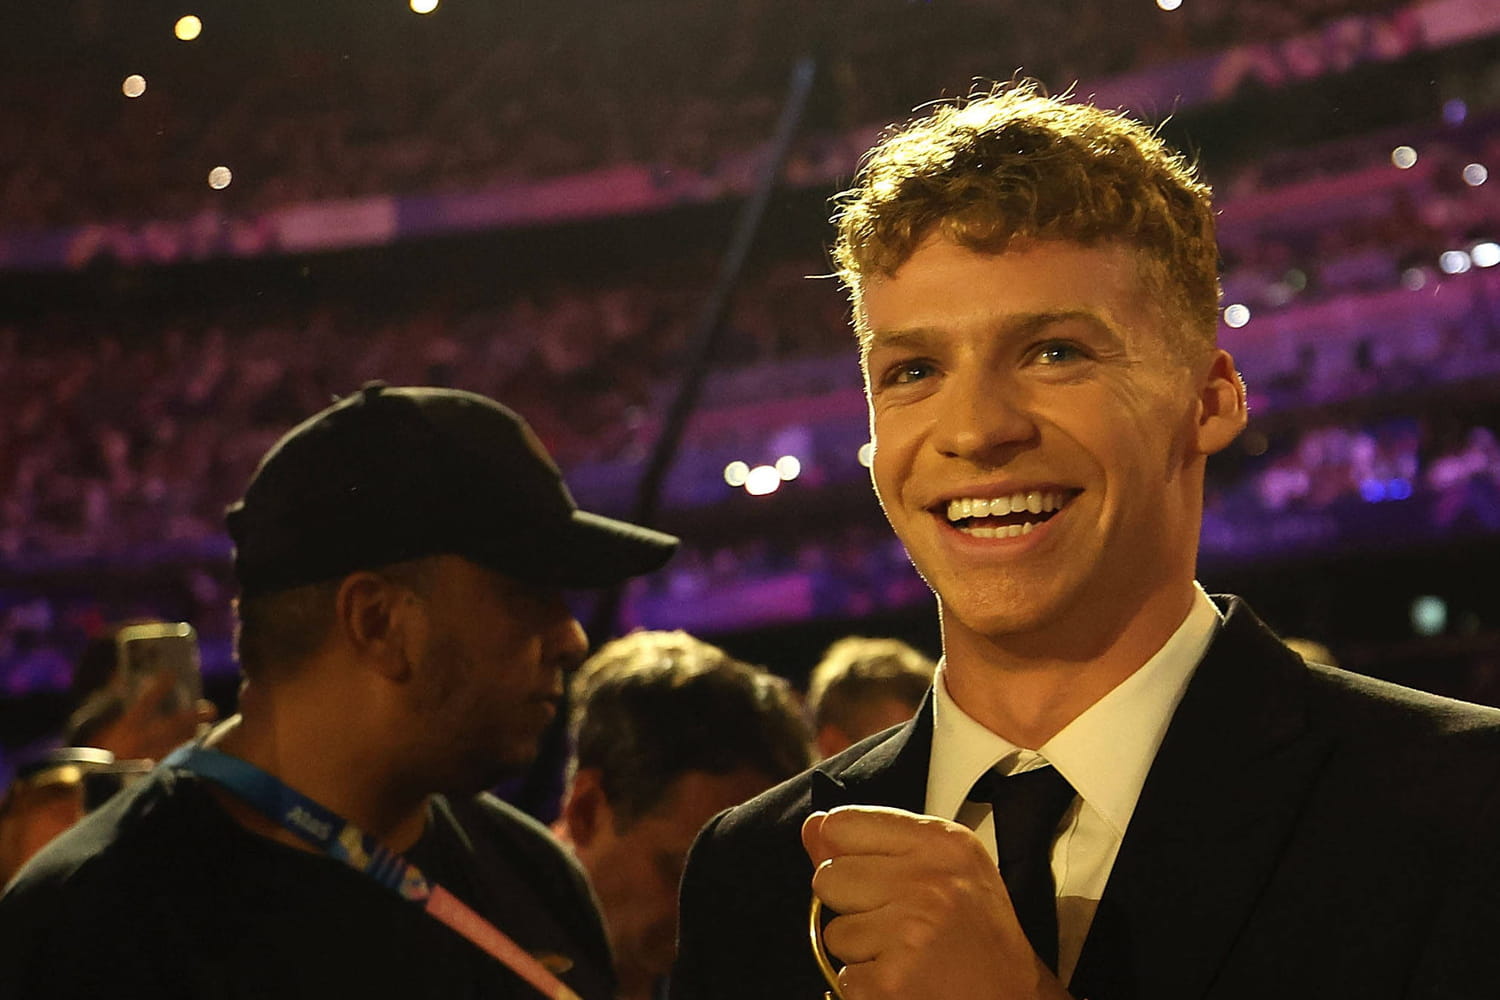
{"x":1118,"y":786}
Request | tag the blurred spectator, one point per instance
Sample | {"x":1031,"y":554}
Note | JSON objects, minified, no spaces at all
{"x":863,"y":686}
{"x":136,"y":718}
{"x":668,"y":731}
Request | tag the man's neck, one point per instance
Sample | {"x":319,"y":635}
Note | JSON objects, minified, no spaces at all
{"x":1019,"y":687}
{"x":325,"y":771}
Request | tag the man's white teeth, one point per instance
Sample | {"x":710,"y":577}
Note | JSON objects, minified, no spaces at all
{"x":1004,"y":531}
{"x":1033,"y":501}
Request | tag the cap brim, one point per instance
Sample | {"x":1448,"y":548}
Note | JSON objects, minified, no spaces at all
{"x":598,"y":551}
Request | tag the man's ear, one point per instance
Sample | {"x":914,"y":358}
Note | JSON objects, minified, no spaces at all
{"x":1222,"y":409}
{"x":383,"y":622}
{"x":585,"y":810}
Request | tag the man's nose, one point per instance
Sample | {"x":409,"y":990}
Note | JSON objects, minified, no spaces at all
{"x":982,"y":417}
{"x":567,"y":643}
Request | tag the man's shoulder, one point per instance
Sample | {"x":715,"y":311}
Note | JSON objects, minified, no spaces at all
{"x":1343,"y":703}
{"x":1402,"y":723}
{"x":503,"y":838}
{"x":116,"y":843}
{"x":491,"y":816}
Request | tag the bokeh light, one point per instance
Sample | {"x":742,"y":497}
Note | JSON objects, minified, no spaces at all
{"x":219,"y":178}
{"x":788,"y":467}
{"x":1237,"y":315}
{"x":1404,"y":157}
{"x":1414,"y":279}
{"x":735,"y":474}
{"x":424,"y":6}
{"x":1486,"y":254}
{"x":1455,"y":262}
{"x":763,"y":480}
{"x":188,"y":27}
{"x":1429,"y":615}
{"x":134,"y":85}
{"x":866,"y":454}
{"x":1476,"y":174}
{"x":1169,"y":4}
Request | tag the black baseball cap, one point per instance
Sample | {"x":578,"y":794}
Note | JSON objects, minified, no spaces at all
{"x":390,"y":474}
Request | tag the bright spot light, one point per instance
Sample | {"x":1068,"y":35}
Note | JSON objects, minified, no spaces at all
{"x":1404,"y":157}
{"x":735,"y":474}
{"x":1429,"y":615}
{"x":1486,"y":254}
{"x":866,"y":454}
{"x":134,"y":85}
{"x":1169,"y":4}
{"x":424,"y":6}
{"x":1454,"y":262}
{"x":763,"y":480}
{"x":788,"y":467}
{"x":1413,"y":279}
{"x":188,"y":27}
{"x":1476,"y":174}
{"x":1237,"y":315}
{"x":219,"y":178}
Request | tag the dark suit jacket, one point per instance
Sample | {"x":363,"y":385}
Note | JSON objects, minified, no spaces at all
{"x":1303,"y":833}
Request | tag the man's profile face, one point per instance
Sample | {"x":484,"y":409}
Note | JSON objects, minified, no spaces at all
{"x":1039,"y":378}
{"x":491,"y":671}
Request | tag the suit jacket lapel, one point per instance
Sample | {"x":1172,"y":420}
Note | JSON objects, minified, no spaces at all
{"x":1220,"y":800}
{"x":892,"y":771}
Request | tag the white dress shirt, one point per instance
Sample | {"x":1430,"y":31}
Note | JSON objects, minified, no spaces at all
{"x":1104,"y":753}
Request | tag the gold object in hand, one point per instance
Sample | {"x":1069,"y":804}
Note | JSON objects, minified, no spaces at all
{"x":820,"y":953}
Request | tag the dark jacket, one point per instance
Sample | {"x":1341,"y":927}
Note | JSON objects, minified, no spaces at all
{"x":1302,"y":832}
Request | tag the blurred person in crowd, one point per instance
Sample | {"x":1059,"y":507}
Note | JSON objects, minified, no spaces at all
{"x":50,"y":794}
{"x":668,"y":731}
{"x":1120,"y":788}
{"x":136,"y":706}
{"x":862,"y":686}
{"x":139,"y":689}
{"x":402,"y":637}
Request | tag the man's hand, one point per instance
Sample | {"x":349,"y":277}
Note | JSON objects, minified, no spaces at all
{"x":922,"y":910}
{"x":149,"y":728}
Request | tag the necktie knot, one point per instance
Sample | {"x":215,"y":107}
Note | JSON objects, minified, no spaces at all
{"x":1028,"y":806}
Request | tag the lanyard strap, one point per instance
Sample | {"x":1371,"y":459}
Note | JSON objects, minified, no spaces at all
{"x":343,"y":841}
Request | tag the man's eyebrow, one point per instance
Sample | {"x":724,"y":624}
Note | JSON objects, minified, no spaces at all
{"x":1014,"y":325}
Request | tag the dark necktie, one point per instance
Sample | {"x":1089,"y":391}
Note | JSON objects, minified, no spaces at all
{"x":1028,"y":807}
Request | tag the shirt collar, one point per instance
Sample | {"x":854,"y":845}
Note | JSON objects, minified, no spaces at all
{"x":1104,"y":753}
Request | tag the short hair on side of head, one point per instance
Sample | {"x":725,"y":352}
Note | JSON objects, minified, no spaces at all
{"x":653,"y":706}
{"x":1011,"y":164}
{"x":279,"y":631}
{"x":856,"y":670}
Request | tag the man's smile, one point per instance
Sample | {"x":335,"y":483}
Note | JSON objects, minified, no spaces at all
{"x":1007,"y":516}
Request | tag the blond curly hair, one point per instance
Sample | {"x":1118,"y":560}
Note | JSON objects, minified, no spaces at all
{"x":1013,"y":164}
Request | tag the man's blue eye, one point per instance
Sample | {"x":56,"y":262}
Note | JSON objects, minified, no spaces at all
{"x":1057,"y":353}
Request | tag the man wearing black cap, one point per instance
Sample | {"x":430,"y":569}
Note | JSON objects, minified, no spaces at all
{"x":402,"y":640}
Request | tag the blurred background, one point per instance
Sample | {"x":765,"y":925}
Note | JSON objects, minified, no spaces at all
{"x":215,"y":216}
